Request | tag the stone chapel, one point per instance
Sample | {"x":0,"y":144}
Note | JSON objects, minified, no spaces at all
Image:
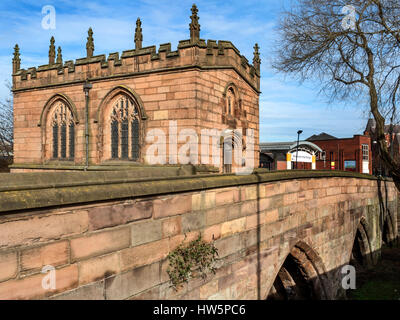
{"x":104,"y":113}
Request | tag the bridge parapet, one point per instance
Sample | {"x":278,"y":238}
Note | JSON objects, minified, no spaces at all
{"x":21,"y":191}
{"x":109,"y":238}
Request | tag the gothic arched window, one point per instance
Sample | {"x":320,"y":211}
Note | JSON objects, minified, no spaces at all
{"x":124,"y":125}
{"x":63,"y":132}
{"x":230,"y":102}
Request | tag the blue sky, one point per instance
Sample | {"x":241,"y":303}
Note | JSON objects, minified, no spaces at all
{"x":285,"y":105}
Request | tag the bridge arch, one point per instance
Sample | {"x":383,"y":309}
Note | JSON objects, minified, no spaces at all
{"x":302,"y":275}
{"x":361,"y":252}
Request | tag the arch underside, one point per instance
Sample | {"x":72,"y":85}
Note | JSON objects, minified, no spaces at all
{"x":361,"y":251}
{"x":301,"y":277}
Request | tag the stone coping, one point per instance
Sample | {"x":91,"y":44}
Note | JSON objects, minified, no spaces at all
{"x":142,"y":170}
{"x":23,"y":191}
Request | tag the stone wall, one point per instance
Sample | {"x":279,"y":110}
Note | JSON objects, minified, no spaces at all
{"x":114,"y":244}
{"x":186,"y":86}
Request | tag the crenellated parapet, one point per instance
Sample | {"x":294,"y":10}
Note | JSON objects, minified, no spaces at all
{"x":192,"y":53}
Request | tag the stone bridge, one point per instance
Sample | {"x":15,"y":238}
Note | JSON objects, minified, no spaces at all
{"x":280,"y":235}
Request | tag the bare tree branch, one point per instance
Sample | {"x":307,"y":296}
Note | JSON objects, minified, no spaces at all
{"x":361,"y":60}
{"x":7,"y":126}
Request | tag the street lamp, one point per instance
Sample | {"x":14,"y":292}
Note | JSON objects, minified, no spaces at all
{"x":297,"y":148}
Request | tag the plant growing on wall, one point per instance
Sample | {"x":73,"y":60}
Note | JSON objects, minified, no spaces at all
{"x":193,"y":260}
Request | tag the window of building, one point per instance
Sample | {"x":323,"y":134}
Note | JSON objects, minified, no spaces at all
{"x":124,"y":130}
{"x":227,"y":168}
{"x":63,"y":133}
{"x":320,"y":155}
{"x":230,"y":102}
{"x":365,"y":152}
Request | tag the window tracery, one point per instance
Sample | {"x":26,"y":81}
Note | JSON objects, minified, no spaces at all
{"x":124,"y":122}
{"x":63,"y":132}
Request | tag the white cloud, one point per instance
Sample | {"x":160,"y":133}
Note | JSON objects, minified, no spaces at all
{"x":285,"y":106}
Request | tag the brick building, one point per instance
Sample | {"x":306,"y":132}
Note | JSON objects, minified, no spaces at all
{"x":392,"y":136}
{"x":98,"y":112}
{"x":289,"y":155}
{"x":319,"y":152}
{"x":348,"y":154}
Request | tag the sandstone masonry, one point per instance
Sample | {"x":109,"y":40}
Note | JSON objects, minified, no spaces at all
{"x":201,"y":85}
{"x":114,"y":244}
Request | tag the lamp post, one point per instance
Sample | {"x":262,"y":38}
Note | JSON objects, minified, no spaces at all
{"x":375,"y":144}
{"x":298,"y":141}
{"x":86,"y":87}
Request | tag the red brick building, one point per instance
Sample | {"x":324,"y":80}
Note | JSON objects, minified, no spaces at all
{"x":347,"y":154}
{"x":289,"y":155}
{"x":392,"y":136}
{"x":108,"y":111}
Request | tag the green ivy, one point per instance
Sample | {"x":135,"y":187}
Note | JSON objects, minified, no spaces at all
{"x":193,"y":260}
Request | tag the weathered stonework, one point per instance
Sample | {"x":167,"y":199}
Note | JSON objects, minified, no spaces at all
{"x":188,"y":86}
{"x":114,"y":245}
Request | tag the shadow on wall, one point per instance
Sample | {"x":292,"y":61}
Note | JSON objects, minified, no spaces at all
{"x":387,"y":223}
{"x":303,"y":276}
